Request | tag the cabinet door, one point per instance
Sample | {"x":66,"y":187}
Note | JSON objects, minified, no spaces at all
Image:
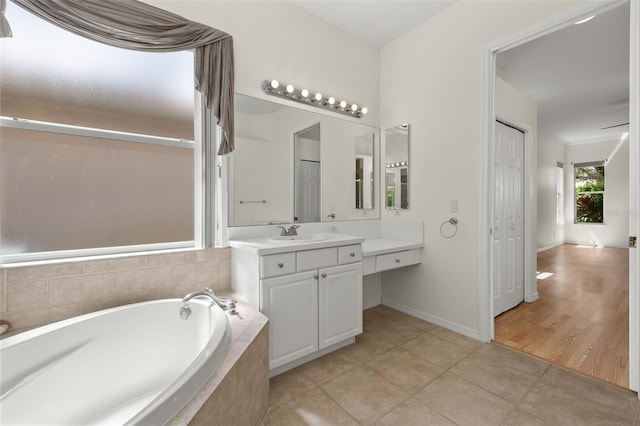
{"x":340,"y":303}
{"x":291,"y":304}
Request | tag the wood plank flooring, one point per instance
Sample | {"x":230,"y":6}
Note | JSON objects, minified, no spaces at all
{"x":581,"y":320}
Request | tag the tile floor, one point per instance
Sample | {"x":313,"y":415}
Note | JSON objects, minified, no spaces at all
{"x":404,"y":371}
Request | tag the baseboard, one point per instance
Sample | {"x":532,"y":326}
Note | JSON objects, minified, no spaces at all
{"x":460,"y":329}
{"x":370,"y":303}
{"x":541,"y":249}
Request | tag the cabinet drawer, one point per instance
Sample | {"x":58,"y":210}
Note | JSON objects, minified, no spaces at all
{"x":314,"y":259}
{"x":350,"y":254}
{"x":394,"y":260}
{"x":274,"y":265}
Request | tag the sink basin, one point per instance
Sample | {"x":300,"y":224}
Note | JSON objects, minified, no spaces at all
{"x":304,"y":238}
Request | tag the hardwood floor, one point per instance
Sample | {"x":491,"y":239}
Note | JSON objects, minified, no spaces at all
{"x":581,"y":320}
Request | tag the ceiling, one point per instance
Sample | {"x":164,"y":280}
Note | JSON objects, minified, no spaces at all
{"x":376,"y":22}
{"x":578,"y":76}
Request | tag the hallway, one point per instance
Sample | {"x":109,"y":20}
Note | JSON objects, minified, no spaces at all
{"x":581,"y":320}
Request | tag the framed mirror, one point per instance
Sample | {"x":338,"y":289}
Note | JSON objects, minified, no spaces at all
{"x":397,"y":167}
{"x":364,"y":171}
{"x":294,"y":165}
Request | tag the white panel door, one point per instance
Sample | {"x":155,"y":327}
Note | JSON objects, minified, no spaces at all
{"x":291,"y":304}
{"x":308,"y":192}
{"x":508,"y":220}
{"x":340,"y":304}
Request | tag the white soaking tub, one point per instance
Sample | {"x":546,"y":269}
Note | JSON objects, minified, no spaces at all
{"x":134,"y":364}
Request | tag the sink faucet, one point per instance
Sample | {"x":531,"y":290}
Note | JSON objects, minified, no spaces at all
{"x":228,"y":305}
{"x":289,"y":232}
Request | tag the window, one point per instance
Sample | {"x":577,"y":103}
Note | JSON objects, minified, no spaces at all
{"x":560,"y":194}
{"x":97,"y":150}
{"x":589,"y":187}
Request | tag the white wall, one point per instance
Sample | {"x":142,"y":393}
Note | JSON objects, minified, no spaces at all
{"x":432,"y":79}
{"x":615,"y":231}
{"x":550,"y":153}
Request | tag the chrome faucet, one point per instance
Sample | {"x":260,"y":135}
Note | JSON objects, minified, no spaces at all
{"x":289,"y":232}
{"x":228,"y":305}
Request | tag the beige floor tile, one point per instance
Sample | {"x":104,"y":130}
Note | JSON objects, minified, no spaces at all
{"x":413,"y":413}
{"x":405,"y":369}
{"x":508,"y":383}
{"x":523,"y":362}
{"x":458,"y":339}
{"x":288,"y":385}
{"x":463,"y":402}
{"x":364,"y":394}
{"x":436,"y":350}
{"x":609,"y":396}
{"x":330,"y":366}
{"x":521,"y":418}
{"x":395,"y":332}
{"x":366,"y":348}
{"x":313,"y":408}
{"x":566,"y":407}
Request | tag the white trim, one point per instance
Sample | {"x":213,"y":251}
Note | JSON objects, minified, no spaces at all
{"x":558,"y":21}
{"x":91,"y":132}
{"x":460,"y":329}
{"x":545,"y":248}
{"x":368,"y":304}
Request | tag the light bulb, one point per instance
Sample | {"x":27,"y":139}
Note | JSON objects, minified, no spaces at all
{"x":275,"y":84}
{"x":290,"y":88}
{"x":318,"y":96}
{"x":332,"y":100}
{"x":354,"y":107}
{"x":304,"y":93}
{"x":364,"y":110}
{"x":343,"y":104}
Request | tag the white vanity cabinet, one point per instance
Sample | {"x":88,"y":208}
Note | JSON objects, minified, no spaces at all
{"x":312,"y":296}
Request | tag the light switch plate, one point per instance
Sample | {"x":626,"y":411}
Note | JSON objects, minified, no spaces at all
{"x":453,"y":205}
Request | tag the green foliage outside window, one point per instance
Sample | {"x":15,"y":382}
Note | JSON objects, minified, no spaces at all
{"x":589,"y":194}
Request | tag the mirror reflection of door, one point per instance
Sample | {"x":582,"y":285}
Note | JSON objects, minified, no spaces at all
{"x":307,"y":175}
{"x":364,"y":189}
{"x":397,"y":167}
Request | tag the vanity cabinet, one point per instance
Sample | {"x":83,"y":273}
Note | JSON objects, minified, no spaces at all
{"x":312,"y":297}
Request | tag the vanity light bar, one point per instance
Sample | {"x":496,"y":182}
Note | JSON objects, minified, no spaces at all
{"x":397,"y":164}
{"x":288,"y":91}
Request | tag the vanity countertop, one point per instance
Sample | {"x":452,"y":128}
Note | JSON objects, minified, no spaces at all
{"x":375,"y":246}
{"x":266,"y":245}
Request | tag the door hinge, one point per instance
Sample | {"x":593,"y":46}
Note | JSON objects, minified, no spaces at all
{"x":633,"y":242}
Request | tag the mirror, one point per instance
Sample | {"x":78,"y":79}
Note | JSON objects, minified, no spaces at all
{"x":291,"y":164}
{"x":397,"y":167}
{"x":364,"y":192}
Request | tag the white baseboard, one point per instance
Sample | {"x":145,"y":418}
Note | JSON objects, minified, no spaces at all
{"x":541,"y":249}
{"x":460,"y":329}
{"x":370,"y":303}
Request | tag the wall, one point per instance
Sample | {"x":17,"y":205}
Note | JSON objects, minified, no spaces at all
{"x":550,"y":153}
{"x":31,"y":296}
{"x":432,"y":80}
{"x":615,"y":231}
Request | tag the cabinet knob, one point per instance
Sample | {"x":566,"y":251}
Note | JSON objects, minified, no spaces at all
{"x":281,"y":265}
{"x":397,"y":260}
{"x":324,"y":275}
{"x":352,"y":254}
{"x":316,"y":277}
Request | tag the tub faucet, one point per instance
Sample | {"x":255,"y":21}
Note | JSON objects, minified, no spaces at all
{"x":289,"y":232}
{"x":227,"y":305}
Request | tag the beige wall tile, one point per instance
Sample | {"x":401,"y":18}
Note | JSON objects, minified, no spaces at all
{"x":171,"y":259}
{"x":160,"y":277}
{"x":3,"y":297}
{"x":100,"y":286}
{"x":184,"y":274}
{"x":33,"y":273}
{"x":3,"y":276}
{"x":64,"y":291}
{"x":27,"y":295}
{"x":29,"y":318}
{"x":160,"y":293}
{"x":112,"y":265}
{"x":135,"y":281}
{"x":59,"y":313}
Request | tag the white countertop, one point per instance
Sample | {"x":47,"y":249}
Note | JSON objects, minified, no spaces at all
{"x":375,"y":246}
{"x":263,"y":246}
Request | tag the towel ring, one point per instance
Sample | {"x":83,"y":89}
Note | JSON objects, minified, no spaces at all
{"x":454,"y":222}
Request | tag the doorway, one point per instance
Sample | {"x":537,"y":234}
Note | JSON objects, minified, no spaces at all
{"x":307,"y":175}
{"x":488,"y":274}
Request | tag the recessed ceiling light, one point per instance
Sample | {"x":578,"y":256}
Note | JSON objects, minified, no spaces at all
{"x":584,"y":20}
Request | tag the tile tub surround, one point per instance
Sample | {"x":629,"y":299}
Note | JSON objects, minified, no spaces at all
{"x":405,"y":371}
{"x":238,"y":391}
{"x":31,"y":296}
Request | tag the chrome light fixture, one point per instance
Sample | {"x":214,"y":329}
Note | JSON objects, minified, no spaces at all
{"x":330,"y":103}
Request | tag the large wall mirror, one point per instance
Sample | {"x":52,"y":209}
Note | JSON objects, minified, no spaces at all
{"x":293,"y":165}
{"x":397,"y":167}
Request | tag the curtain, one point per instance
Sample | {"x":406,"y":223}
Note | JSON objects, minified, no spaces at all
{"x":134,"y":25}
{"x":5,"y":29}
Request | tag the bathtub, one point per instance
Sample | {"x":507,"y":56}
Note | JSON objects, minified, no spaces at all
{"x":134,"y":364}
